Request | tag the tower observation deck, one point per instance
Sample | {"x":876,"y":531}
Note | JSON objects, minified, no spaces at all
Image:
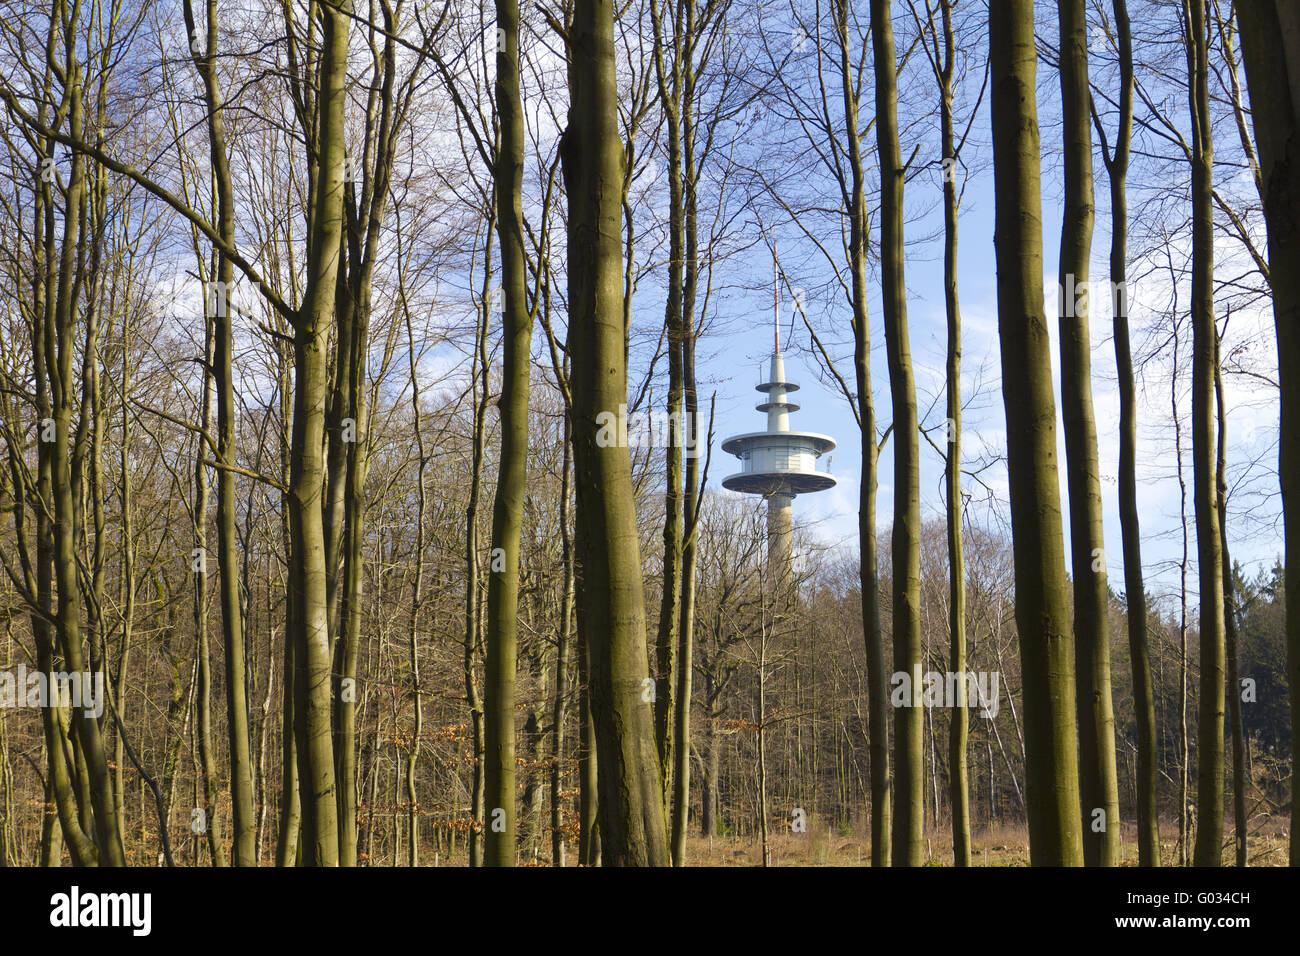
{"x":778,"y":463}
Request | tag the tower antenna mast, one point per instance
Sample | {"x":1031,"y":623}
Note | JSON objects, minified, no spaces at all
{"x":776,"y":303}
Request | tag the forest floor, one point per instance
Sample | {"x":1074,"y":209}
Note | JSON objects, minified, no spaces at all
{"x":1006,"y":845}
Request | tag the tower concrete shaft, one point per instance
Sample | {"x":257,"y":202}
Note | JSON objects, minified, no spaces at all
{"x":780,"y":531}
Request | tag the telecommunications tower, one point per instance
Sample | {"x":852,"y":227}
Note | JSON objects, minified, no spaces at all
{"x":778,"y":463}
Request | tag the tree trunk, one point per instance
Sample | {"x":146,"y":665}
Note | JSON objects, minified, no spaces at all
{"x":220,"y":308}
{"x":959,"y":728}
{"x":1134,"y":587}
{"x":1209,"y":558}
{"x":1042,"y":605}
{"x":66,"y":828}
{"x":1229,"y":615}
{"x":1183,"y":748}
{"x":1272,"y":58}
{"x":211,"y":821}
{"x":669,"y":78}
{"x":588,"y":820}
{"x":877,"y":678}
{"x":559,"y":705}
{"x":287,"y":837}
{"x":905,"y":541}
{"x":473,"y":610}
{"x":312,"y":658}
{"x":87,"y":739}
{"x":507,"y":509}
{"x":631,"y":797}
{"x":417,"y":596}
{"x":1098,"y":783}
{"x":681,"y":776}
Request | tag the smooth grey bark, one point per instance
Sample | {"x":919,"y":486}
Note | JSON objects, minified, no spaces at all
{"x":1117,"y":162}
{"x":909,"y":778}
{"x":858,"y":249}
{"x":631,"y":808}
{"x":1270,"y":44}
{"x":1209,"y":562}
{"x":1042,"y":607}
{"x":507,"y":510}
{"x":221,"y":310}
{"x":1098,"y":781}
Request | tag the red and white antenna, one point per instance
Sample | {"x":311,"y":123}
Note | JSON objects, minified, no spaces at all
{"x":776,"y":303}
